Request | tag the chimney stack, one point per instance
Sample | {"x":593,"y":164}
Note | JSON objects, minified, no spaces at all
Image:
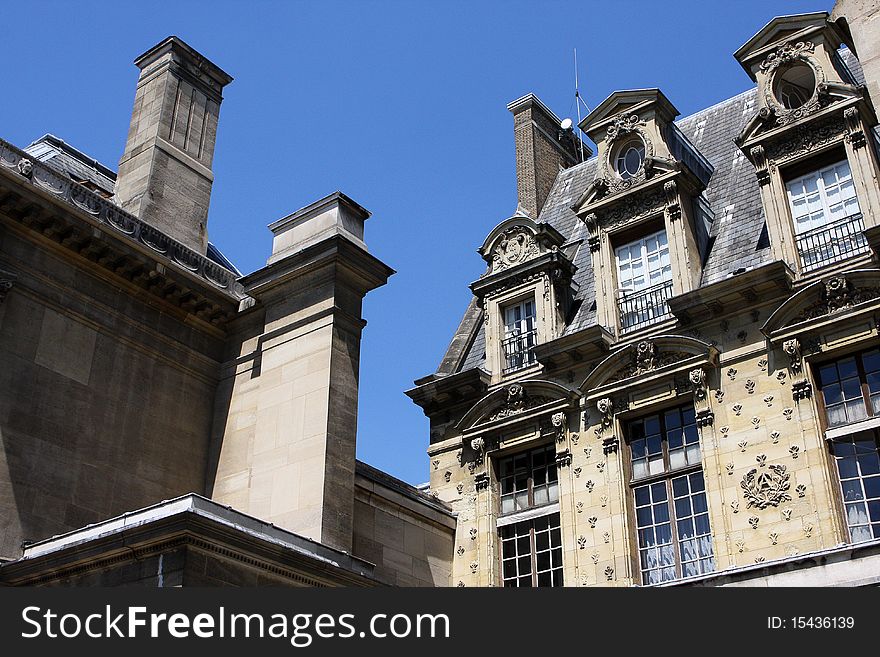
{"x":165,"y":173}
{"x":543,"y":148}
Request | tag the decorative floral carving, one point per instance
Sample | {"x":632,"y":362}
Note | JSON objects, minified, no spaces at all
{"x":459,"y":488}
{"x":588,"y":451}
{"x":590,"y":484}
{"x":759,"y":558}
{"x":854,"y":132}
{"x":785,"y":53}
{"x":805,"y":139}
{"x":801,"y":490}
{"x":731,"y":374}
{"x":750,"y":386}
{"x":609,"y":573}
{"x":515,"y":246}
{"x":740,"y":546}
{"x":808,"y":530}
{"x":574,"y":439}
{"x":435,"y":463}
{"x":742,"y":444}
{"x":753,"y":521}
{"x":558,"y":422}
{"x":603,"y":500}
{"x":447,"y":476}
{"x":735,"y":506}
{"x":737,"y":409}
{"x":606,"y":411}
{"x":595,"y":557}
{"x":795,"y":451}
{"x":761,"y":459}
{"x":768,"y":399}
{"x":582,"y":542}
{"x":786,"y":514}
{"x":606,"y":537}
{"x":478,"y":445}
{"x":719,"y":396}
{"x":473,"y":533}
{"x":460,"y":584}
{"x":517,"y":401}
{"x":474,"y":566}
{"x":756,"y":422}
{"x":580,"y":507}
{"x":724,"y":430}
{"x":622,"y":125}
{"x":780,"y":376}
{"x":729,"y":467}
{"x":577,"y":472}
{"x":631,"y":209}
{"x":601,"y":466}
{"x":592,"y":520}
{"x":769,"y":488}
{"x":697,"y":377}
{"x":774,"y":437}
{"x":774,"y":538}
{"x":786,"y":412}
{"x":460,"y":550}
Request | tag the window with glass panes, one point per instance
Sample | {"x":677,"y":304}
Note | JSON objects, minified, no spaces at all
{"x":851,"y":388}
{"x":528,"y":480}
{"x":851,"y":393}
{"x":644,"y":280}
{"x":827,"y":219}
{"x":672,"y":515}
{"x":520,"y":335}
{"x":531,"y":552}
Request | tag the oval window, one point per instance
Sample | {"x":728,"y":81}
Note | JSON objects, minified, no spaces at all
{"x":794,"y":85}
{"x":630,"y":157}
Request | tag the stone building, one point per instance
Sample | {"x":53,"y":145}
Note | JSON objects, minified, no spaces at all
{"x":164,"y":419}
{"x":670,"y":370}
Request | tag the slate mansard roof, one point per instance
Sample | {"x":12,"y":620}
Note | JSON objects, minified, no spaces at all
{"x":732,"y":193}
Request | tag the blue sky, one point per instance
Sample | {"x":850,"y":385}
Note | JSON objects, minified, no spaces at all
{"x":401,"y":105}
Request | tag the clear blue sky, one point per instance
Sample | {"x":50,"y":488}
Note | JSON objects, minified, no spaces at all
{"x":401,"y":105}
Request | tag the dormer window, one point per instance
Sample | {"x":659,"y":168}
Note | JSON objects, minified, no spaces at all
{"x":520,"y":335}
{"x":794,"y":85}
{"x":827,"y":219}
{"x":630,"y":158}
{"x":644,"y":280}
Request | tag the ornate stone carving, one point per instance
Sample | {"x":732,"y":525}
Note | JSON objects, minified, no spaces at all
{"x":742,"y":444}
{"x":774,"y":538}
{"x":558,"y":422}
{"x":516,"y":402}
{"x":760,"y":160}
{"x":750,"y":386}
{"x":609,"y":573}
{"x":474,"y":566}
{"x":459,"y":488}
{"x":447,"y":476}
{"x":435,"y":463}
{"x":731,"y":374}
{"x":801,"y":490}
{"x":592,"y":520}
{"x":784,"y":54}
{"x":768,"y":399}
{"x":786,"y":514}
{"x":25,"y":167}
{"x":595,"y":557}
{"x":801,"y":390}
{"x":740,"y":546}
{"x":460,"y":550}
{"x":606,"y":412}
{"x":481,"y":481}
{"x":719,"y":396}
{"x":729,"y":467}
{"x":632,"y":209}
{"x":792,"y":349}
{"x":606,"y":537}
{"x":577,"y":472}
{"x":582,"y":542}
{"x":735,"y":506}
{"x":563,"y":459}
{"x":761,"y":459}
{"x":737,"y":409}
{"x":854,"y":132}
{"x":774,"y":437}
{"x":805,"y":139}
{"x":621,"y":126}
{"x":762,"y":364}
{"x":603,"y":500}
{"x":673,"y":207}
{"x":769,"y":488}
{"x":594,"y":242}
{"x":589,"y":485}
{"x":580,"y":507}
{"x":704,"y":417}
{"x":645,"y":357}
{"x":515,"y":246}
{"x":753,"y":521}
{"x":473,"y":533}
{"x":756,"y":422}
{"x":610,"y":445}
{"x":786,"y":412}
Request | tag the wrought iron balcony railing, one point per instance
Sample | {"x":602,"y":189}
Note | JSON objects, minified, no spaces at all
{"x":519,"y":350}
{"x":644,"y":307}
{"x":831,"y":243}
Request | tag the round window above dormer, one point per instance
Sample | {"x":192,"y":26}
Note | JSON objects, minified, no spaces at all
{"x":794,"y":85}
{"x":630,"y":158}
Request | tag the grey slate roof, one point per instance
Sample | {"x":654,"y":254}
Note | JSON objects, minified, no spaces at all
{"x":72,"y":162}
{"x":733,"y":194}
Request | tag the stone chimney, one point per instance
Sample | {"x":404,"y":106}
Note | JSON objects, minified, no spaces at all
{"x":165,"y":173}
{"x":286,"y":445}
{"x":543,"y":148}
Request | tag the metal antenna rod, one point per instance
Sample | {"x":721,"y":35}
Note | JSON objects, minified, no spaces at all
{"x":577,"y":102}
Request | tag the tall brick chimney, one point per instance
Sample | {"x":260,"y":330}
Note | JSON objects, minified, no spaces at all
{"x":542,"y":149}
{"x":165,"y":173}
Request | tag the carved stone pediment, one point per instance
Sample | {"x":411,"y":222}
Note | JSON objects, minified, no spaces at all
{"x":515,"y":246}
{"x":825,"y":298}
{"x":646,"y":357}
{"x":517,"y":399}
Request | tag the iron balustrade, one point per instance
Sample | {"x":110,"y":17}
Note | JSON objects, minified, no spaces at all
{"x":830,"y":243}
{"x":519,"y":349}
{"x":643,"y":307}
